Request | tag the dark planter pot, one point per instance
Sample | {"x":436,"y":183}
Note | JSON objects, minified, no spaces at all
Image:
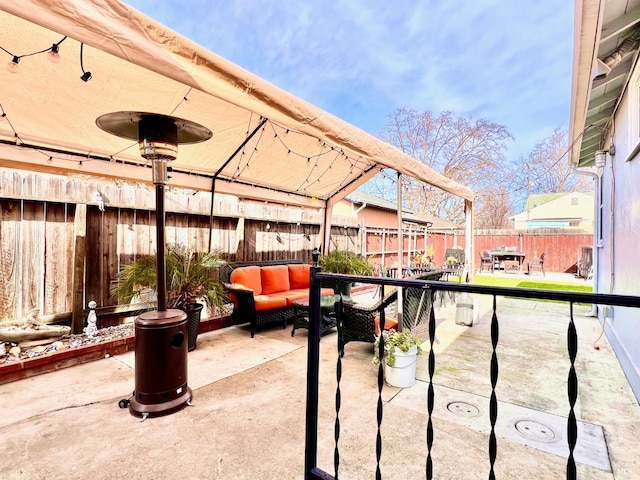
{"x":193,"y":311}
{"x":343,"y":288}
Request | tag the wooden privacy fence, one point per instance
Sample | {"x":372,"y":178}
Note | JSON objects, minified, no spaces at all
{"x":42,"y":241}
{"x":561,"y":247}
{"x":64,"y":238}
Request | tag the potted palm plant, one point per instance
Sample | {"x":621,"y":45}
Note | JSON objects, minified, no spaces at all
{"x":400,"y":355}
{"x":192,"y":283}
{"x":347,"y":263}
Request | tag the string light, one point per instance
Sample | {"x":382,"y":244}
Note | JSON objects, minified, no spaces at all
{"x":53,"y":52}
{"x":12,"y":66}
{"x":86,"y":76}
{"x":184,"y":99}
{"x":53,"y":55}
{"x":358,"y":165}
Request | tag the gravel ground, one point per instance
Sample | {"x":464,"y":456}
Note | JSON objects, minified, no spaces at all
{"x":12,"y":352}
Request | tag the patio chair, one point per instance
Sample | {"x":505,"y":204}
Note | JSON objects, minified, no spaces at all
{"x":360,"y":323}
{"x":537,"y":265}
{"x":486,"y":261}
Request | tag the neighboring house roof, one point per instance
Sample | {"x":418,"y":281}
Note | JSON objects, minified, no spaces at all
{"x":359,"y":197}
{"x":536,"y":199}
{"x":602,"y":61}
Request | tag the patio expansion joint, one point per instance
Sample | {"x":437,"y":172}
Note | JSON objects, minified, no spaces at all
{"x":533,"y":428}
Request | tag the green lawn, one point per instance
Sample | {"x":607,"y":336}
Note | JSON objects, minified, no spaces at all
{"x":541,"y":283}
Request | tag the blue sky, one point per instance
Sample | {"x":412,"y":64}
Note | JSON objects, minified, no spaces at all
{"x":508,"y":61}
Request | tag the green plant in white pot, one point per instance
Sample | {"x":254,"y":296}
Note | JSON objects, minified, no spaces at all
{"x":400,"y":355}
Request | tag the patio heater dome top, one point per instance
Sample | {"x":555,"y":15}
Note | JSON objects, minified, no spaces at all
{"x":158,"y":135}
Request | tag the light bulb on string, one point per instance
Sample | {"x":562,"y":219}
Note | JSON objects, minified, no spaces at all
{"x":86,"y":76}
{"x":12,"y":66}
{"x":53,"y":54}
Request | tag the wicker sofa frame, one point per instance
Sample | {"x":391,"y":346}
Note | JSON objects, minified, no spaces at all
{"x":244,"y":301}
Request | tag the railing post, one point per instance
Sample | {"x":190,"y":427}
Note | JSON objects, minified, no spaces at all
{"x":493,"y":402}
{"x":572,"y":391}
{"x":313,"y":366}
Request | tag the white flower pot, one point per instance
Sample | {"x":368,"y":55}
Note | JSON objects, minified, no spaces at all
{"x":403,"y":373}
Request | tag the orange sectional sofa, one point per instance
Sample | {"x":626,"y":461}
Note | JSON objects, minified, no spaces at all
{"x":264,"y":294}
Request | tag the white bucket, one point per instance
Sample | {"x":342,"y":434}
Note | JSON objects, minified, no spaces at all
{"x":403,"y":373}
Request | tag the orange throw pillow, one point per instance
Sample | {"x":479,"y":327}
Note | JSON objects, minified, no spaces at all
{"x":389,"y":323}
{"x":249,"y":277}
{"x":275,"y":278}
{"x":299,"y":275}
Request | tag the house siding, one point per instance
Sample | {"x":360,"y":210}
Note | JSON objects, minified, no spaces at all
{"x":559,"y":213}
{"x":618,"y":258}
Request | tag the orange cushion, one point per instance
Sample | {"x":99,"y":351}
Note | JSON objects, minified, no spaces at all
{"x":301,"y":294}
{"x":248,"y":277}
{"x":299,"y":275}
{"x":275,"y":278}
{"x":293,"y":295}
{"x":389,"y":323}
{"x":269,"y":302}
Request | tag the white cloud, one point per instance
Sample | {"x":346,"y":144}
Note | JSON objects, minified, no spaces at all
{"x":503,"y":60}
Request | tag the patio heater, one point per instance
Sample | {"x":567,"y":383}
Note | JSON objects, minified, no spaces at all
{"x":161,"y":346}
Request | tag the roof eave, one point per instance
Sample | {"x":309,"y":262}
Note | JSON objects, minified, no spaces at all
{"x":588,"y":18}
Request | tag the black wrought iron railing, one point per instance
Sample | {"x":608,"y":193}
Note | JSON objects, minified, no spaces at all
{"x":312,"y":471}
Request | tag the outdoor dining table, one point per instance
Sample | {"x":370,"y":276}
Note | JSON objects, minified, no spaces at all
{"x":507,"y":260}
{"x":327,"y":310}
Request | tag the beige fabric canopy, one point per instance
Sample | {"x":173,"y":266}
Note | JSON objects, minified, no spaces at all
{"x":267,"y":144}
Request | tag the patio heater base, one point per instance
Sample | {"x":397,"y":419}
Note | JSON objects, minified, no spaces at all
{"x":165,"y":408}
{"x":160,"y":364}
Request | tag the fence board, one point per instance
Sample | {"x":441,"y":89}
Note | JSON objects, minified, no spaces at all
{"x":94,"y":251}
{"x":110,"y":252}
{"x":31,"y":286}
{"x":10,"y":260}
{"x":57,"y":282}
{"x":145,"y":234}
{"x":126,"y":235}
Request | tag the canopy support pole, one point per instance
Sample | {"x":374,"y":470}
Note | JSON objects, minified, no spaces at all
{"x":400,"y":249}
{"x":325,"y":229}
{"x":469,"y":247}
{"x":224,"y":165}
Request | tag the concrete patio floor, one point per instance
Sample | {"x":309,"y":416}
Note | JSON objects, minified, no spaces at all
{"x":248,"y":413}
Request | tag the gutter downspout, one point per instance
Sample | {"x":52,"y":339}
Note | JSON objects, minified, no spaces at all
{"x":597,"y":176}
{"x":355,"y":214}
